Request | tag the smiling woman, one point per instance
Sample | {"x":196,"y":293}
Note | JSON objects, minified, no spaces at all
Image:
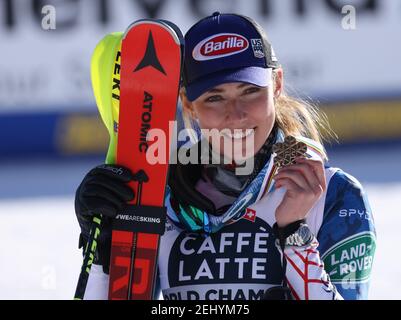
{"x":275,"y":232}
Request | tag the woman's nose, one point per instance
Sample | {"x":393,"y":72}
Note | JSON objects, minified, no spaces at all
{"x":236,"y":111}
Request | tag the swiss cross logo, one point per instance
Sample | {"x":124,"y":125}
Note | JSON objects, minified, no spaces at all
{"x":250,"y":215}
{"x":220,"y":45}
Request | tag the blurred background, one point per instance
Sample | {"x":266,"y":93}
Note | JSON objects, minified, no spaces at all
{"x":345,"y":59}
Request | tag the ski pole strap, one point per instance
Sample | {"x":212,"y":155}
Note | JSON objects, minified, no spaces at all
{"x":89,"y":256}
{"x":138,"y":218}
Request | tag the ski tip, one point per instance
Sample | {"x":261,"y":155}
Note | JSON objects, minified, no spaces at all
{"x":102,"y":68}
{"x":173,"y":29}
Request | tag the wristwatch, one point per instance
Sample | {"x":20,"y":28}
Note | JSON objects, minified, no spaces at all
{"x":295,"y":234}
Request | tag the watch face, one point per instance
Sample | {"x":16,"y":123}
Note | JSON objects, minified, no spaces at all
{"x":301,"y":237}
{"x":304,"y":232}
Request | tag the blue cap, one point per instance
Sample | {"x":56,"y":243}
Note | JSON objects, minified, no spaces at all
{"x":226,"y":48}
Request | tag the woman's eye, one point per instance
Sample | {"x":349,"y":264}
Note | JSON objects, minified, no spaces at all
{"x":251,"y":90}
{"x":214,"y":98}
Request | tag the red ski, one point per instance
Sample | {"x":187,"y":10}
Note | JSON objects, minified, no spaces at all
{"x":151,"y":58}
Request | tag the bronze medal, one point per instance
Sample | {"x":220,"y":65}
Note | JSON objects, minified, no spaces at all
{"x":286,"y":152}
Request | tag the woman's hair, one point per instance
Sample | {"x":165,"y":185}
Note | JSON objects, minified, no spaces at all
{"x":296,"y":116}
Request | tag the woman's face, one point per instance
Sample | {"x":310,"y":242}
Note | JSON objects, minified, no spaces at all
{"x":245,"y":108}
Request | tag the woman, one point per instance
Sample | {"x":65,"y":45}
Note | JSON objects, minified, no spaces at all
{"x":304,"y":231}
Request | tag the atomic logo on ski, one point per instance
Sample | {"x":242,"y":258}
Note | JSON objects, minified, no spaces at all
{"x":150,"y":57}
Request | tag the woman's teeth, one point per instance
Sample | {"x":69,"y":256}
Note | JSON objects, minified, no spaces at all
{"x":238,"y":134}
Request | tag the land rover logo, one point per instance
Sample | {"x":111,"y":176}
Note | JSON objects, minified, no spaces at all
{"x":351,"y":259}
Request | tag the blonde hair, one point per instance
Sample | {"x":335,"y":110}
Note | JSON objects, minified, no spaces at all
{"x":296,"y":116}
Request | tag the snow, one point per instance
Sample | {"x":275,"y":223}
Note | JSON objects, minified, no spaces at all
{"x":39,"y":248}
{"x":385,"y":201}
{"x":39,"y":256}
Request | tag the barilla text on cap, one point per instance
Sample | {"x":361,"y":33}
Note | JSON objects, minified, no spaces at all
{"x":220,"y":45}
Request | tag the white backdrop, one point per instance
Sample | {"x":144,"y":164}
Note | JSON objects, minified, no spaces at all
{"x":48,"y":70}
